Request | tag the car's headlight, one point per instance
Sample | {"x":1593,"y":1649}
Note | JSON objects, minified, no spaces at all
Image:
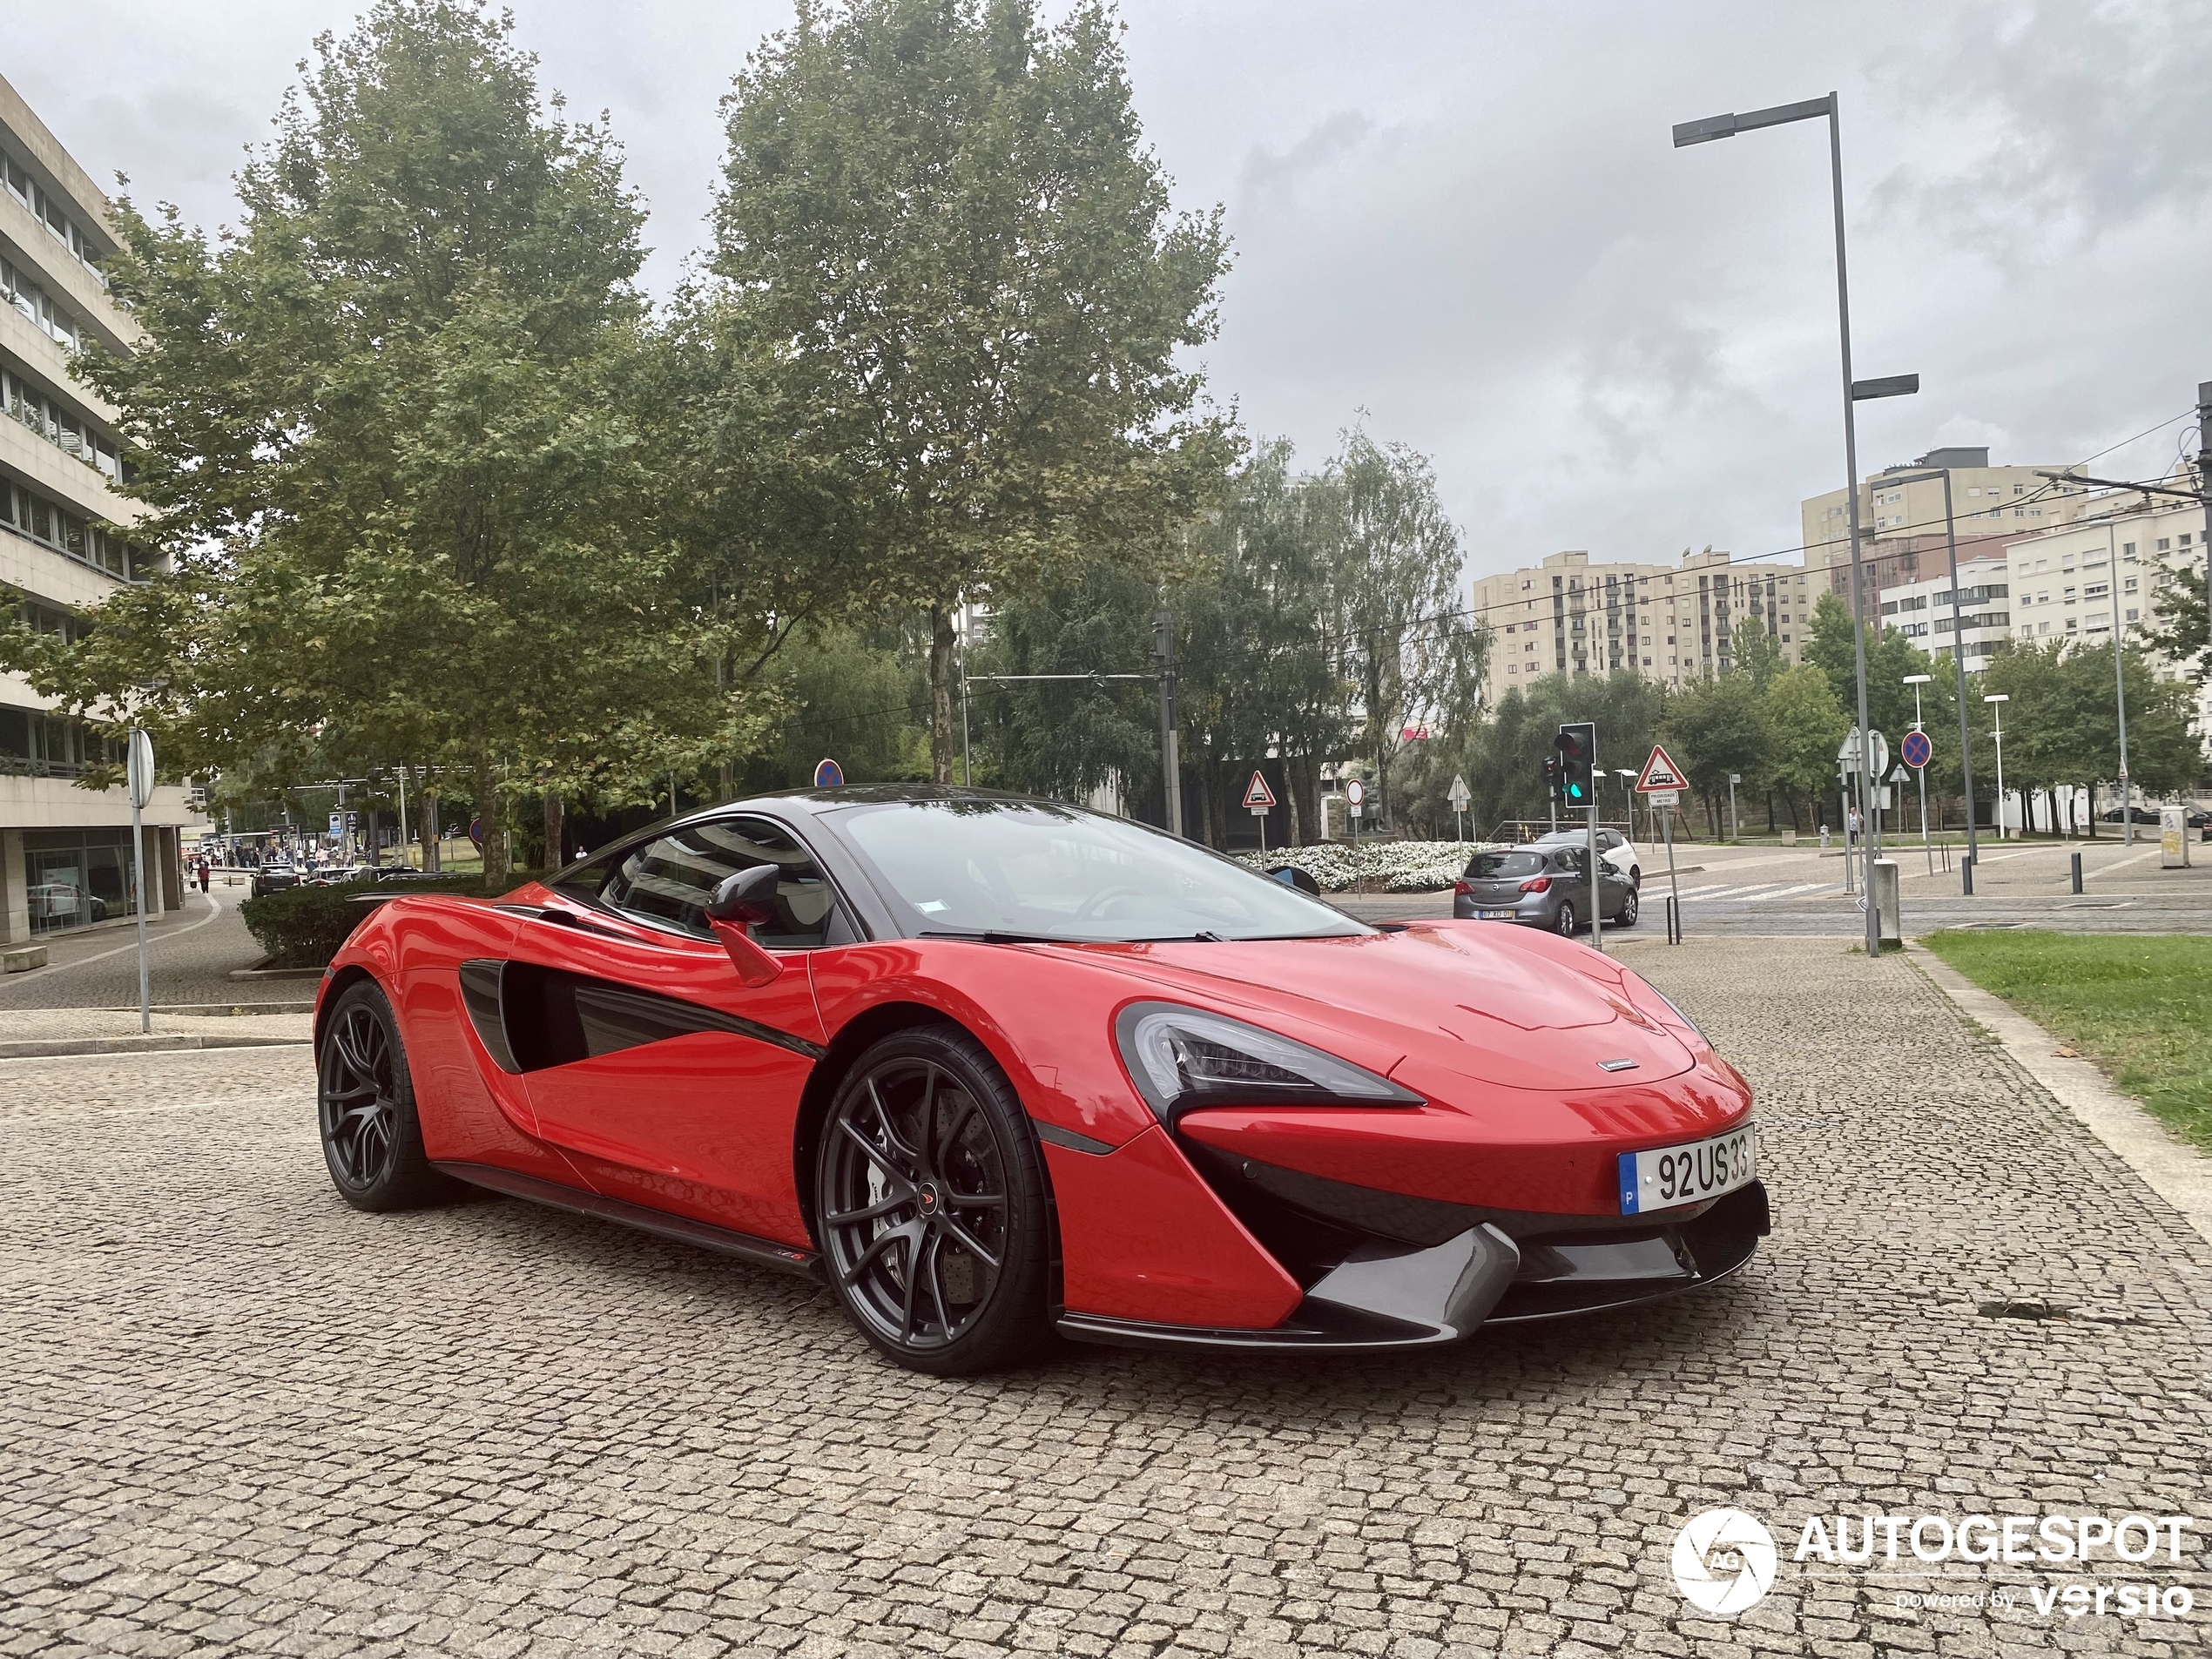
{"x":1676,"y":1009}
{"x":1181,"y":1058}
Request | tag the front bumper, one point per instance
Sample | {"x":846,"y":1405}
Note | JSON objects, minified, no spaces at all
{"x":1380,"y":1270}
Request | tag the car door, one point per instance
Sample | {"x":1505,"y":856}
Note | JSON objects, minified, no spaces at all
{"x":668,"y":1080}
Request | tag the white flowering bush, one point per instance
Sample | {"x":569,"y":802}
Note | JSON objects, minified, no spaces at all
{"x":1390,"y":866}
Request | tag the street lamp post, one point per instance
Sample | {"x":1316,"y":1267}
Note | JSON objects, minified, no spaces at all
{"x":1727,"y":126}
{"x":1630,"y":785}
{"x":1958,"y":651}
{"x":1916,"y":681}
{"x":1997,"y":700}
{"x":2120,"y":689}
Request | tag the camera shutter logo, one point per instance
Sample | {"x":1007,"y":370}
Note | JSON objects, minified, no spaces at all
{"x":1723,"y":1561}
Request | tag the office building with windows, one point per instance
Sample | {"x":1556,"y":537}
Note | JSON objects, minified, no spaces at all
{"x":1669,"y":623}
{"x":65,"y":545}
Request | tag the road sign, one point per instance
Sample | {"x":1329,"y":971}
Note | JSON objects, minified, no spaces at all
{"x":829,"y":775}
{"x":477,"y":831}
{"x":1257,"y":796}
{"x":1916,"y":750}
{"x":140,"y":768}
{"x":1660,"y":774}
{"x":1459,"y":796}
{"x":1847,"y":754}
{"x":1355,"y":792}
{"x":1663,"y":797}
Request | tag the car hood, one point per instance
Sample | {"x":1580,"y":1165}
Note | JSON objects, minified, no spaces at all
{"x":1511,"y":1008}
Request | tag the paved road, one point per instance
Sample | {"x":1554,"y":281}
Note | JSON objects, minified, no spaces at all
{"x":191,"y":953}
{"x":1769,"y":891}
{"x":239,"y":1417}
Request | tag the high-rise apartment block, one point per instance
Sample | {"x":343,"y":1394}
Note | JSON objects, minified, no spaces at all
{"x":1669,"y":623}
{"x":64,"y":545}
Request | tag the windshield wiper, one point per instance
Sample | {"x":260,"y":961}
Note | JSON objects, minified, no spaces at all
{"x":997,"y":936}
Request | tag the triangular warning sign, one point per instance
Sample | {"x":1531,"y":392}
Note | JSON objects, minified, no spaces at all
{"x":1660,"y":772}
{"x":1256,"y":793}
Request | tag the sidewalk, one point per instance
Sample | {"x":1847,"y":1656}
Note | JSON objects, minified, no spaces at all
{"x":26,"y":1033}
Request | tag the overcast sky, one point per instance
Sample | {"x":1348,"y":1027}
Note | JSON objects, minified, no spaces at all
{"x":1464,"y":223}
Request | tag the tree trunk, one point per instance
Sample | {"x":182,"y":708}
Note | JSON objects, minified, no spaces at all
{"x":426,"y":815}
{"x":492,"y":811}
{"x":554,"y":814}
{"x":1290,"y":797}
{"x":942,"y":647}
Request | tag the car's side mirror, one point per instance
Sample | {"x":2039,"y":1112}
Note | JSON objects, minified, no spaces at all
{"x":746,"y":901}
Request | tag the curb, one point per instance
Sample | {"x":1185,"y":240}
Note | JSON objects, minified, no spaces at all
{"x":214,"y":1009}
{"x":275,"y":973}
{"x":2172,"y":1168}
{"x":158,"y":1043}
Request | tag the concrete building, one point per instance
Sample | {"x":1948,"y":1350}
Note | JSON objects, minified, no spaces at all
{"x":64,"y":545}
{"x":1902,"y":524}
{"x":1665,"y":621}
{"x":1923,"y":612}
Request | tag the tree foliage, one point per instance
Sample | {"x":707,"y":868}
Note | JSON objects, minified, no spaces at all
{"x":936,"y":221}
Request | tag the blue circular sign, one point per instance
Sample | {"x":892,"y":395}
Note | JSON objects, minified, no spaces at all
{"x":1915,"y":749}
{"x":829,"y":775}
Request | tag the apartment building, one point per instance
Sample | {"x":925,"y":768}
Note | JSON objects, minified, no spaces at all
{"x":64,"y":545}
{"x":1924,"y":613}
{"x":1666,"y":622}
{"x":1904,"y":541}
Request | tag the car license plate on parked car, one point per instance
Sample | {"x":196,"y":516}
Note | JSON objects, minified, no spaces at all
{"x":1495,"y":915}
{"x":1669,"y":1175}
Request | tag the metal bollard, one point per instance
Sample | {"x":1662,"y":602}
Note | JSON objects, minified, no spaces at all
{"x":1674,"y":920}
{"x":2077,"y":872}
{"x":1966,"y":874}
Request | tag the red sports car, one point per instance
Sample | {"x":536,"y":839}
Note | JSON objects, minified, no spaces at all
{"x":990,"y":1067}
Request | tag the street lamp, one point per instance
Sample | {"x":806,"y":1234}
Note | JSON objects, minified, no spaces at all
{"x":2120,"y":685}
{"x":1727,"y":126}
{"x":1916,"y":681}
{"x":1958,"y":647}
{"x":1623,"y":772}
{"x":1998,"y":699}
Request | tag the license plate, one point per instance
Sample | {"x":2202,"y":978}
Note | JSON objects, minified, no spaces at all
{"x":1668,"y":1176}
{"x":1495,"y":915}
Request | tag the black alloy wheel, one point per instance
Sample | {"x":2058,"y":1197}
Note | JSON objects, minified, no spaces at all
{"x":365,"y":1106}
{"x":1565,"y":925}
{"x":930,"y":1206}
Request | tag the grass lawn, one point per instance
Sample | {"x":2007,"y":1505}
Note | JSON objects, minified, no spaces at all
{"x":2141,"y":1007}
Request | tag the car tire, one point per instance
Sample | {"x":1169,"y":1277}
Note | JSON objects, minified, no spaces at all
{"x":372,"y":1139}
{"x":930,"y":1205}
{"x":1563,"y":924}
{"x":1630,"y":906}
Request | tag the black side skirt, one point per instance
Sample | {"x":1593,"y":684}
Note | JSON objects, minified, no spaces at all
{"x":765,"y":1251}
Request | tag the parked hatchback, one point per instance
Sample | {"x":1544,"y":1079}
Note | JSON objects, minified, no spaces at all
{"x":1542,"y":885}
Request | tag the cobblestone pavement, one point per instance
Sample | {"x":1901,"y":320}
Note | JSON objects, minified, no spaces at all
{"x":190,"y":955}
{"x":237,"y":1417}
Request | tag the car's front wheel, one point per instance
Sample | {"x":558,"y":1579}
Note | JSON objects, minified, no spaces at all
{"x":1630,"y":906}
{"x":372,"y":1140}
{"x":930,"y":1205}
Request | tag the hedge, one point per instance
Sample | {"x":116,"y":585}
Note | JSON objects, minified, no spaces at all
{"x":305,"y":926}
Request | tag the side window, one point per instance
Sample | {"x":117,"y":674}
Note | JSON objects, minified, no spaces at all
{"x":669,"y":880}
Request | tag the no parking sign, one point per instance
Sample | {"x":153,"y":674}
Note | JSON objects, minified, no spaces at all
{"x":1916,"y":750}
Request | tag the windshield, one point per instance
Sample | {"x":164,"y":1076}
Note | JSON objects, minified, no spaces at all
{"x":1053,"y":872}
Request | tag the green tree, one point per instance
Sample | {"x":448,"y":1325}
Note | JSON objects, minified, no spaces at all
{"x":940,"y":236}
{"x":2176,"y":628}
{"x":1408,"y":646}
{"x":1804,"y":725}
{"x":382,"y":432}
{"x":1713,"y":727}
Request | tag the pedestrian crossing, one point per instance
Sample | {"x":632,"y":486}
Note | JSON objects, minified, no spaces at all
{"x":1758,"y":891}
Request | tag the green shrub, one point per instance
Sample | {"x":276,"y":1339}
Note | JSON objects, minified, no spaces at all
{"x":305,"y":926}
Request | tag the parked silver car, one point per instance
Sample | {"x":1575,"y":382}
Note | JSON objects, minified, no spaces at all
{"x":1542,"y":885}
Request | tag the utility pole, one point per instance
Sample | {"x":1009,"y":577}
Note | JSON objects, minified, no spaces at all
{"x":1170,"y":758}
{"x":2204,"y":489}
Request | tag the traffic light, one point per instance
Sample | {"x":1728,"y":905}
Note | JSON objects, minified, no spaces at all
{"x":1577,"y":755}
{"x":1552,"y":778}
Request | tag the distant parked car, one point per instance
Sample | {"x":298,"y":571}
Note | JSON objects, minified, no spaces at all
{"x":274,"y":878}
{"x":61,"y":904}
{"x":2143,"y":815}
{"x":1542,"y":885}
{"x":1613,"y":846}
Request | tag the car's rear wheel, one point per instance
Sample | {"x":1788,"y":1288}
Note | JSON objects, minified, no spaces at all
{"x":1565,"y":925}
{"x":930,"y":1205}
{"x":372,"y":1139}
